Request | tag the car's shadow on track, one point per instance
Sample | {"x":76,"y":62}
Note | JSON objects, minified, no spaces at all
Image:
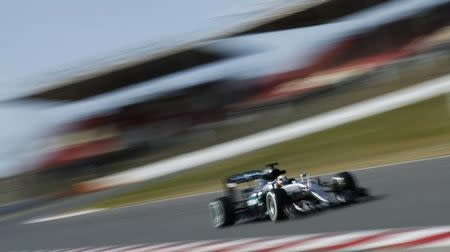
{"x":365,"y":200}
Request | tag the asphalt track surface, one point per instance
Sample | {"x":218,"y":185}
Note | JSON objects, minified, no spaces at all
{"x":406,"y":195}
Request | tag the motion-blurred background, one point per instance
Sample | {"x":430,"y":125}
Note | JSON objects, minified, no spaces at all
{"x":145,"y":90}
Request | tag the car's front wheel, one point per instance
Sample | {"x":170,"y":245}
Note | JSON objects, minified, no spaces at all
{"x":346,"y":187}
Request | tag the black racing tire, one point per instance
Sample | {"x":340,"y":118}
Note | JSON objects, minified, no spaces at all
{"x":362,"y":192}
{"x":350,"y":191}
{"x":221,"y":212}
{"x":276,"y":201}
{"x":349,"y":181}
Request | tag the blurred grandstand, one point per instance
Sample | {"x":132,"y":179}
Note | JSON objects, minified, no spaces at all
{"x":156,"y":102}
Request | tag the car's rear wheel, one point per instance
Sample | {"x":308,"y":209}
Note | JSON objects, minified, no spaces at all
{"x":276,"y":201}
{"x":221,"y":212}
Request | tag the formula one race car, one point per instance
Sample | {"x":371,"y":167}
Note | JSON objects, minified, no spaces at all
{"x":272,"y":195}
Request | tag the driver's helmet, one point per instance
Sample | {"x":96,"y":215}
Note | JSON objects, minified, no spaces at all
{"x":281,"y":181}
{"x":304,"y":178}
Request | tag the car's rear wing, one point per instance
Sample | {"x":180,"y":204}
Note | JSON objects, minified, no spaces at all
{"x":245,"y":177}
{"x":269,"y":173}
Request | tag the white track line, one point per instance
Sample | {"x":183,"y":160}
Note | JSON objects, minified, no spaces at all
{"x":73,"y":250}
{"x":183,"y":247}
{"x":270,"y":243}
{"x":152,"y":247}
{"x":331,"y":241}
{"x":393,"y":164}
{"x":123,"y":248}
{"x":226,"y":245}
{"x":436,"y":244}
{"x":62,"y":216}
{"x":99,"y":249}
{"x":402,"y":237}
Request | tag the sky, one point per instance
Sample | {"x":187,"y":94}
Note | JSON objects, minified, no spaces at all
{"x":40,"y":37}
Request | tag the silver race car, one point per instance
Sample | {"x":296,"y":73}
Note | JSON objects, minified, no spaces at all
{"x":267,"y":193}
